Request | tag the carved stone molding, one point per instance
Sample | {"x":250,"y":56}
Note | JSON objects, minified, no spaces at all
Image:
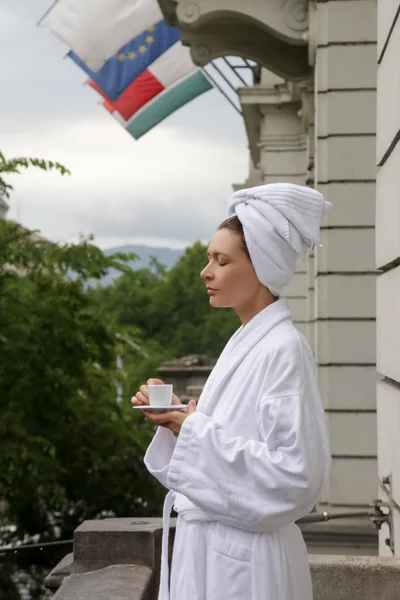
{"x":311,"y":35}
{"x":307,"y":115}
{"x":207,"y":43}
{"x":270,"y":32}
{"x":289,"y":143}
{"x":264,"y":102}
{"x":307,"y":112}
{"x":288,"y":19}
{"x":295,"y":14}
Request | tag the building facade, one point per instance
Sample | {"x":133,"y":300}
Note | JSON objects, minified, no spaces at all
{"x":312,"y":120}
{"x":387,"y":262}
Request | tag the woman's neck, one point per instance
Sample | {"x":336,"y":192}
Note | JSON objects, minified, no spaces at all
{"x":246,"y":313}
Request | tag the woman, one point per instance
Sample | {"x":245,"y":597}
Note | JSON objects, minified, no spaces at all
{"x":252,"y":457}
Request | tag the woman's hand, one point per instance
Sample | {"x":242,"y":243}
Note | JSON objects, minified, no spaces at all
{"x":172,"y":420}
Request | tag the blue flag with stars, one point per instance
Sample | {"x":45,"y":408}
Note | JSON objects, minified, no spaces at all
{"x":131,"y":60}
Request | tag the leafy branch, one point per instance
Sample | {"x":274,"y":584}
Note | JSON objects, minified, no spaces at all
{"x":14,"y":165}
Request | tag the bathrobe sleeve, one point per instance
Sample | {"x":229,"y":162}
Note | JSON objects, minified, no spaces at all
{"x":257,"y":485}
{"x":159,"y":453}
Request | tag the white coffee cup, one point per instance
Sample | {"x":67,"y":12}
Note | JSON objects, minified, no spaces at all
{"x":160,"y":395}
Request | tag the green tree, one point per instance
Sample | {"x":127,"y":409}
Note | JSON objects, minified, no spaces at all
{"x":68,"y":451}
{"x":14,"y":166}
{"x":171,"y":308}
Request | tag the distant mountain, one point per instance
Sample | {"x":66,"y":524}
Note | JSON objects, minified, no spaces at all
{"x":166,"y":256}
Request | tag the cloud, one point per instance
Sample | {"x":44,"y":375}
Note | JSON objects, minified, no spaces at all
{"x":172,"y":184}
{"x":168,"y":186}
{"x":179,"y":219}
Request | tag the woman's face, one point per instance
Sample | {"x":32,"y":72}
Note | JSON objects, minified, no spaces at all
{"x":229,"y":275}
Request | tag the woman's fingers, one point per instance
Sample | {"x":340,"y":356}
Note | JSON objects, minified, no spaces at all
{"x":135,"y":401}
{"x":144,"y":390}
{"x":192,"y":407}
{"x":142,"y":397}
{"x":139,"y":399}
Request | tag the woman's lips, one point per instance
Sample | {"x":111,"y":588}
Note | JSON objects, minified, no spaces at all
{"x":211,"y":291}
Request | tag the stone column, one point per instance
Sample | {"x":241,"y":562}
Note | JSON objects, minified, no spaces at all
{"x":253,"y":178}
{"x":388,"y":261}
{"x":308,"y":119}
{"x":343,"y":46}
{"x":283,"y":157}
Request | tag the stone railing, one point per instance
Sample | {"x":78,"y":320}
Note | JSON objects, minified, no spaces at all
{"x":112,"y":558}
{"x":120,"y":558}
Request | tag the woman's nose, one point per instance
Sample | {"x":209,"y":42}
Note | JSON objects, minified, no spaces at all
{"x":205,"y":273}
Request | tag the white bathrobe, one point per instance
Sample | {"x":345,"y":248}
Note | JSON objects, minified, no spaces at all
{"x":246,"y":465}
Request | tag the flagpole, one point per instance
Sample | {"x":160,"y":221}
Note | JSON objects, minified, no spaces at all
{"x":221,"y":90}
{"x":224,"y":76}
{"x":234,"y":70}
{"x":39,"y":23}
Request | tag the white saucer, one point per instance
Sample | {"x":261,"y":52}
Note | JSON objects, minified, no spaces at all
{"x":161,"y":408}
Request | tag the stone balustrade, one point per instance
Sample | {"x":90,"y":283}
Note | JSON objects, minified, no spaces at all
{"x":120,"y":558}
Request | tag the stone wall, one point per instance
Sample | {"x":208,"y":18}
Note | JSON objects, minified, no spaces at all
{"x":119,"y":559}
{"x":344,"y":44}
{"x":388,"y":261}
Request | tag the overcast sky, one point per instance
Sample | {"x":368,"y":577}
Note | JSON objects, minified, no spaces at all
{"x":168,"y":188}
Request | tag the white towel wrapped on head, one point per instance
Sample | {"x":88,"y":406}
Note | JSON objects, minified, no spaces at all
{"x":280,"y":221}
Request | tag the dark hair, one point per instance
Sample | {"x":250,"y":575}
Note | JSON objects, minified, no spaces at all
{"x":234,"y":225}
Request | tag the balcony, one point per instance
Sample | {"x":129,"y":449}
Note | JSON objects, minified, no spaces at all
{"x":274,"y":33}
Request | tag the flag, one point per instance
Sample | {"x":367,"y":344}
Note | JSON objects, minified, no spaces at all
{"x":169,"y":68}
{"x":95,"y":30}
{"x":166,"y":103}
{"x":131,"y":60}
{"x":141,"y":91}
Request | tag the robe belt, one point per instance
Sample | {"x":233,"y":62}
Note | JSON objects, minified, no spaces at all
{"x":200,"y":517}
{"x":164,"y":574}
